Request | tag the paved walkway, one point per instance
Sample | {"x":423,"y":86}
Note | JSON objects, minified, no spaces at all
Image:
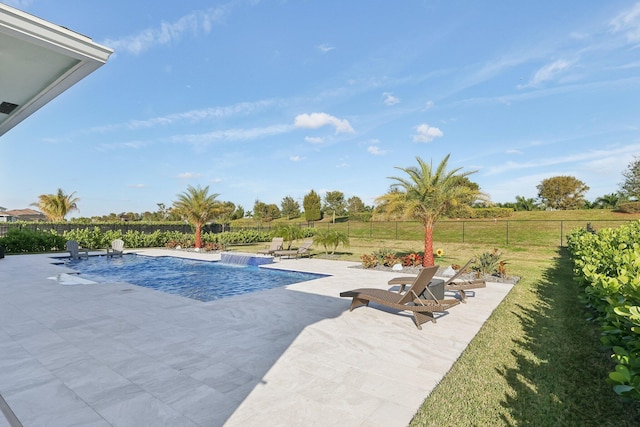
{"x":123,"y":355}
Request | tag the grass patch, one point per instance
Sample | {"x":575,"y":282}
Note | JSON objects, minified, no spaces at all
{"x":536,"y":361}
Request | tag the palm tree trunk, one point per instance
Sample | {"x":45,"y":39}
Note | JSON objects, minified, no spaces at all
{"x":428,"y":260}
{"x":198,"y":236}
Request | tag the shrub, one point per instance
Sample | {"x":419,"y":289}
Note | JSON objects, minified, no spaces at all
{"x":26,"y":241}
{"x":369,"y":260}
{"x":412,"y":260}
{"x":490,"y":263}
{"x":607,"y":266}
{"x":628,"y":207}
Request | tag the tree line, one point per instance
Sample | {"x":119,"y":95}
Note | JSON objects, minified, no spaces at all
{"x":423,"y":193}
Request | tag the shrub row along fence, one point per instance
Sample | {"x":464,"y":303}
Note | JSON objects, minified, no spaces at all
{"x":123,"y":227}
{"x":498,"y":232}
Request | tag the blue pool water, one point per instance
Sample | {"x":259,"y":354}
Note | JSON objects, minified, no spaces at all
{"x":200,"y":280}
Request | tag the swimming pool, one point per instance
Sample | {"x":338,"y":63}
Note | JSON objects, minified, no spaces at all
{"x":200,"y":280}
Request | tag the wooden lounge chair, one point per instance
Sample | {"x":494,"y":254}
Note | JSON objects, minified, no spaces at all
{"x":276,"y":245}
{"x":75,"y":250}
{"x":301,"y":251}
{"x":421,"y":309}
{"x":453,"y":283}
{"x":116,"y":249}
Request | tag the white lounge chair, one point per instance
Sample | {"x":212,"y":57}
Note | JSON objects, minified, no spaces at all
{"x":116,"y":249}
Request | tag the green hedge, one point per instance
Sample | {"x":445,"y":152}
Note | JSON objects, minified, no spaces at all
{"x":607,"y":265}
{"x":29,"y":241}
{"x":18,"y":241}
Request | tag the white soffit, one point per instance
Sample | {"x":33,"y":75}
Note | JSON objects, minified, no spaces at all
{"x":39,"y":61}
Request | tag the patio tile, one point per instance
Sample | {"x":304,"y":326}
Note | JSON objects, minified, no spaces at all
{"x":119,"y":354}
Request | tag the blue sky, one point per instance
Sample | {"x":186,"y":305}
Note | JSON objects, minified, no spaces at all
{"x":268,"y":99}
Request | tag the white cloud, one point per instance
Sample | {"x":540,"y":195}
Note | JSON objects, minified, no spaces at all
{"x":136,"y":186}
{"x":168,"y":32}
{"x":324,"y":48}
{"x":231,"y":135}
{"x":375,"y":150}
{"x":188,"y":175}
{"x":629,"y":23}
{"x":426,"y":133}
{"x":429,"y":105}
{"x":389,"y":99}
{"x":584,"y":158}
{"x":316,"y":120}
{"x":513,"y":152}
{"x":296,"y":158}
{"x":548,"y":72}
{"x":314,"y":139}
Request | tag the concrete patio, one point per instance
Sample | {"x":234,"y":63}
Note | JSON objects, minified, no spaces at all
{"x":123,"y":355}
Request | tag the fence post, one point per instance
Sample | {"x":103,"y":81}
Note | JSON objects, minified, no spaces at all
{"x":370,"y":228}
{"x":462,"y":231}
{"x":561,"y":231}
{"x":396,"y":230}
{"x":507,"y":233}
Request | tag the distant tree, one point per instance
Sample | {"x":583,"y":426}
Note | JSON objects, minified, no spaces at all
{"x":525,"y":204}
{"x":562,"y":192}
{"x":425,"y":196}
{"x":198,"y":207}
{"x":260,"y":211}
{"x":334,"y":203}
{"x":225,"y":213}
{"x":355,"y":205}
{"x":163,"y":212}
{"x":238,"y":213}
{"x":57,"y":206}
{"x":290,"y":208}
{"x":608,"y":201}
{"x":312,"y":206}
{"x":630,"y":188}
{"x":265,"y":212}
{"x":273,"y":211}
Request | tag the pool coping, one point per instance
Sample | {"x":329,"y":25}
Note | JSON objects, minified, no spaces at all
{"x":125,"y":355}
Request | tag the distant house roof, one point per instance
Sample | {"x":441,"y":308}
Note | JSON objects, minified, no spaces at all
{"x":26,"y":214}
{"x":40,"y":60}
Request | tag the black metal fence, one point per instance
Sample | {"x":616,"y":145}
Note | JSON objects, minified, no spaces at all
{"x":494,"y":232}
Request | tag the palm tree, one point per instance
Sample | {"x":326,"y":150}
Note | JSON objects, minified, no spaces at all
{"x":425,"y":196}
{"x":608,"y":201}
{"x":198,"y":207}
{"x":330,"y":239}
{"x":288,"y":232}
{"x":57,"y":206}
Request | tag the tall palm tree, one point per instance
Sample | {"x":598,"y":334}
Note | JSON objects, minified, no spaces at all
{"x":425,"y":196}
{"x":57,"y":206}
{"x":198,"y":207}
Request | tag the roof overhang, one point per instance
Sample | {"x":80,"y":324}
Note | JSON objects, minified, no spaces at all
{"x":39,"y":61}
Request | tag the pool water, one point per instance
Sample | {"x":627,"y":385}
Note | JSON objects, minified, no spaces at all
{"x":200,"y":280}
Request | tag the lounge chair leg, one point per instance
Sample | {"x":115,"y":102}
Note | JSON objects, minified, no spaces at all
{"x":357,"y":302}
{"x":463,"y":297}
